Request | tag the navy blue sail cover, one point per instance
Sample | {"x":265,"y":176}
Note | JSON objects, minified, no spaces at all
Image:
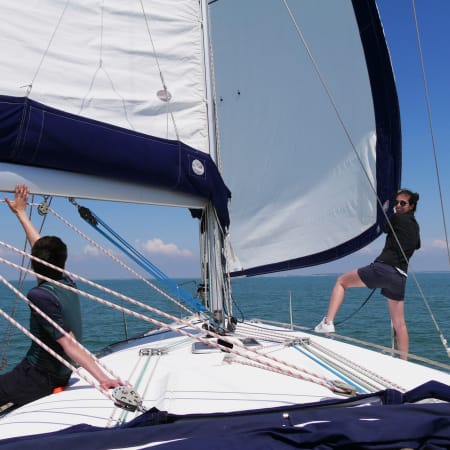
{"x":380,"y":421}
{"x":34,"y":134}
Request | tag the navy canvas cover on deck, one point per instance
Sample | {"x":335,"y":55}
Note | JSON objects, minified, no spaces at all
{"x":384,"y":420}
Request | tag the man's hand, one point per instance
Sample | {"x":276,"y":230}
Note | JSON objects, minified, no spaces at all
{"x":19,"y":207}
{"x":19,"y":203}
{"x":110,"y":383}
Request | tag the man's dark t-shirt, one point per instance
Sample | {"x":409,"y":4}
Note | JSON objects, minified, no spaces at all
{"x":63,"y":306}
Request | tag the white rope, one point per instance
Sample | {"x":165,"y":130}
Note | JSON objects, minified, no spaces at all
{"x":371,"y":375}
{"x":287,"y":338}
{"x":93,"y":297}
{"x":275,"y":363}
{"x":109,"y":254}
{"x":46,"y":347}
{"x":58,"y":327}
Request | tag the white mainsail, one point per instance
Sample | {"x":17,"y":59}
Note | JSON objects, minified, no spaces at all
{"x":123,"y":65}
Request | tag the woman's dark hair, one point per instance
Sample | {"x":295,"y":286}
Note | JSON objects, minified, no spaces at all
{"x":52,"y":250}
{"x":413,"y":197}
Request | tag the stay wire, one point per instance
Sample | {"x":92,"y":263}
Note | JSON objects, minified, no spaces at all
{"x":427,"y":101}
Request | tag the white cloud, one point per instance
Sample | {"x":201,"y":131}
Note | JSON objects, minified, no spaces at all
{"x":158,"y":247}
{"x":91,"y":250}
{"x":439,"y":243}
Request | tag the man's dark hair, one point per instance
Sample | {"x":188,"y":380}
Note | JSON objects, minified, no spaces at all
{"x":52,"y":250}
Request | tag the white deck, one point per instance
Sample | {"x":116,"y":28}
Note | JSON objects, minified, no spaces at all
{"x":169,"y":376}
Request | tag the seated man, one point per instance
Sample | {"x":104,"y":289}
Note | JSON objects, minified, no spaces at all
{"x":39,"y":373}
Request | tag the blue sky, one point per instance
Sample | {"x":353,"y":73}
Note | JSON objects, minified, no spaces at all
{"x":170,"y":238}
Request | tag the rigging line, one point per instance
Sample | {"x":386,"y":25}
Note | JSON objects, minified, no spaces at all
{"x":102,"y":68}
{"x":5,"y":344}
{"x":371,"y":345}
{"x":316,"y":68}
{"x":101,"y":288}
{"x":54,"y":324}
{"x":157,"y":272}
{"x":142,"y":261}
{"x":115,"y":409}
{"x":332,"y":385}
{"x":159,"y":68}
{"x":118,"y":261}
{"x":150,"y":356}
{"x":50,"y":351}
{"x":341,"y":121}
{"x":442,"y":338}
{"x":330,"y":96}
{"x":228,"y":347}
{"x":345,"y":365}
{"x":94,"y":221}
{"x":340,"y":372}
{"x":433,"y":318}
{"x":222,"y":342}
{"x":30,"y":86}
{"x":427,"y":101}
{"x":427,"y":305}
{"x":363,"y":370}
{"x":358,"y":309}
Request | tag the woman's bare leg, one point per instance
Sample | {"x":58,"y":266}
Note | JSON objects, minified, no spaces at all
{"x":349,"y":279}
{"x":397,"y":313}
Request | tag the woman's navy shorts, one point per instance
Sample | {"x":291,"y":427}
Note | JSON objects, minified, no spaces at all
{"x":386,"y":277}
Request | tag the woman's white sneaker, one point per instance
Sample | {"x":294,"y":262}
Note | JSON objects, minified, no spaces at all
{"x":324,"y":327}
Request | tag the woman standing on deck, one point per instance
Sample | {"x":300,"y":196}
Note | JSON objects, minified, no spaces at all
{"x":388,"y":271}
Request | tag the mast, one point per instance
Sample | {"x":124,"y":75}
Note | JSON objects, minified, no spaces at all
{"x":212,"y":235}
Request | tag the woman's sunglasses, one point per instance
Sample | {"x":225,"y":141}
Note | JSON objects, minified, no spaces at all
{"x":401,"y":202}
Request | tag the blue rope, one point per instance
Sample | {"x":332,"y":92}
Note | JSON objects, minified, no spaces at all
{"x":139,"y":258}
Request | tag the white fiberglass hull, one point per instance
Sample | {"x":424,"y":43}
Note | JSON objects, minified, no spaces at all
{"x":170,"y":376}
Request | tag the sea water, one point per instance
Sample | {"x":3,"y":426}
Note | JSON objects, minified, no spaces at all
{"x":302,"y":299}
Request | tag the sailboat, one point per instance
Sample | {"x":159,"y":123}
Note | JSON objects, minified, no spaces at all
{"x":162,"y":103}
